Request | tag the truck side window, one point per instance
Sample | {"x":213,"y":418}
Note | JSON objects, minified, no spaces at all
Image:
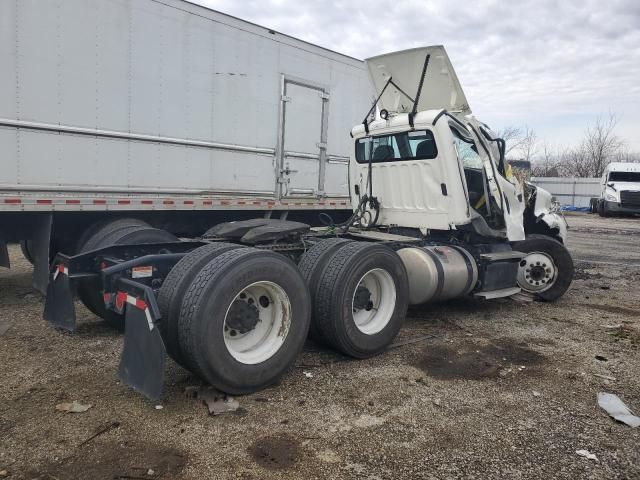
{"x":467,"y":151}
{"x":416,"y":145}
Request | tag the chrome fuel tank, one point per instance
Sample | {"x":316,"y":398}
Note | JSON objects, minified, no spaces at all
{"x":438,"y":272}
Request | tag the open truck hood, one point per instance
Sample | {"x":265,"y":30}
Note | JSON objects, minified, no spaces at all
{"x":441,"y":88}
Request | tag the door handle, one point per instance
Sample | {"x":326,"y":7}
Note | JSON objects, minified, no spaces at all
{"x":287,"y":170}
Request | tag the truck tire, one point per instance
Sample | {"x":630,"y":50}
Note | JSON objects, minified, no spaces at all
{"x":361,"y":299}
{"x":547,"y":271}
{"x":117,"y":233}
{"x":94,"y":235}
{"x":311,"y":265}
{"x":174,"y":287}
{"x":94,"y":228}
{"x":602,"y":209}
{"x":244,"y":319}
{"x":26,"y":246}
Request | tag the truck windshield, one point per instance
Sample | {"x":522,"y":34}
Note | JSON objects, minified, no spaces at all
{"x":416,"y":145}
{"x":624,"y":177}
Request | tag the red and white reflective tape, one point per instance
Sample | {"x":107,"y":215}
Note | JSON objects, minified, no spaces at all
{"x":27,"y":201}
{"x":123,"y":297}
{"x":60,"y":269}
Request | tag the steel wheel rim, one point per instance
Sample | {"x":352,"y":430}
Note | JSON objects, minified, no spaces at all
{"x":265,"y":339}
{"x":375,"y":317}
{"x":537,"y":272}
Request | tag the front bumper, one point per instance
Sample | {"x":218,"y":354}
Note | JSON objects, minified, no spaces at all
{"x":615,"y":207}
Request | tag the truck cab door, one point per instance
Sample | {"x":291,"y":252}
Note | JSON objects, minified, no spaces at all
{"x":507,"y":195}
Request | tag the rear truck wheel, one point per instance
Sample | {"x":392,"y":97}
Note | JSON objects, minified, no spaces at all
{"x":361,"y":299}
{"x":174,"y":287}
{"x":547,"y":269}
{"x":26,"y":246}
{"x":244,"y":319}
{"x":117,"y":233}
{"x":311,"y":266}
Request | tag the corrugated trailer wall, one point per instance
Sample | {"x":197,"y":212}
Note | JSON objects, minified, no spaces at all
{"x":157,"y":96}
{"x":571,"y":191}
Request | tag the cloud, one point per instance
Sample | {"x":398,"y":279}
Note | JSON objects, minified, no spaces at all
{"x":533,"y":62}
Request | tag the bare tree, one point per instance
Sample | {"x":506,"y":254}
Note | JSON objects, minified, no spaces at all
{"x":600,"y":145}
{"x":512,"y":136}
{"x":528,"y":146}
{"x":547,"y":164}
{"x":625,"y":155}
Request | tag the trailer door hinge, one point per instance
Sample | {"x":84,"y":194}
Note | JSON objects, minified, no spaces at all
{"x":322,"y":145}
{"x":324,"y":95}
{"x":284,"y":98}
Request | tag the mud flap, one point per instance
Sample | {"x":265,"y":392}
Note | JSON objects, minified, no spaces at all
{"x":4,"y":255}
{"x":144,"y":356}
{"x":59,"y":309}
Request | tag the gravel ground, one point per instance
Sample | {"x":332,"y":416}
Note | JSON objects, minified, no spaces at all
{"x":480,"y":390}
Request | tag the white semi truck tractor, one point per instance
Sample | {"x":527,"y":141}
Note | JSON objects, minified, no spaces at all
{"x":435,"y":216}
{"x":619,"y":190}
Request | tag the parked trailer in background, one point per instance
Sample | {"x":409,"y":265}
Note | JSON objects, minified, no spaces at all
{"x":167,"y":112}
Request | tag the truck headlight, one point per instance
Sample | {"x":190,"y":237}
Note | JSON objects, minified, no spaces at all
{"x":610,"y":197}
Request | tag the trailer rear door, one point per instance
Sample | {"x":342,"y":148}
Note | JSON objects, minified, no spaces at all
{"x":304,"y":130}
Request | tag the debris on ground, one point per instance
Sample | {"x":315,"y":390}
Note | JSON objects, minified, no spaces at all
{"x":587,"y":454}
{"x":308,"y":374}
{"x":617,"y":409}
{"x":159,"y":407}
{"x":5,"y":325}
{"x":73,"y":407}
{"x":217,"y":402}
{"x":605,"y":377}
{"x":101,"y":430}
{"x":4,"y":473}
{"x":536,"y":393}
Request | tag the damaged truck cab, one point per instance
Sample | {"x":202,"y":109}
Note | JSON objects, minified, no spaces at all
{"x":433,"y":165}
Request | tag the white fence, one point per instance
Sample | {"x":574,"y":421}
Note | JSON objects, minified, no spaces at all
{"x":571,"y":191}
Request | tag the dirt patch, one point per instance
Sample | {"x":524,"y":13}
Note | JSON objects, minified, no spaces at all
{"x":470,"y":361}
{"x":116,"y":461}
{"x":275,"y":453}
{"x":629,"y":312}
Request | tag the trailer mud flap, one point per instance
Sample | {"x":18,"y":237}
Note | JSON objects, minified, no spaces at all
{"x":144,"y":356}
{"x":59,"y":309}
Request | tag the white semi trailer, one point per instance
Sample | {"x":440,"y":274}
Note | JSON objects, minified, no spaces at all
{"x":164,"y":111}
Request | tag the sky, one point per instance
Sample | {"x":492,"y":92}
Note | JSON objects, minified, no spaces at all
{"x":554,"y":66}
